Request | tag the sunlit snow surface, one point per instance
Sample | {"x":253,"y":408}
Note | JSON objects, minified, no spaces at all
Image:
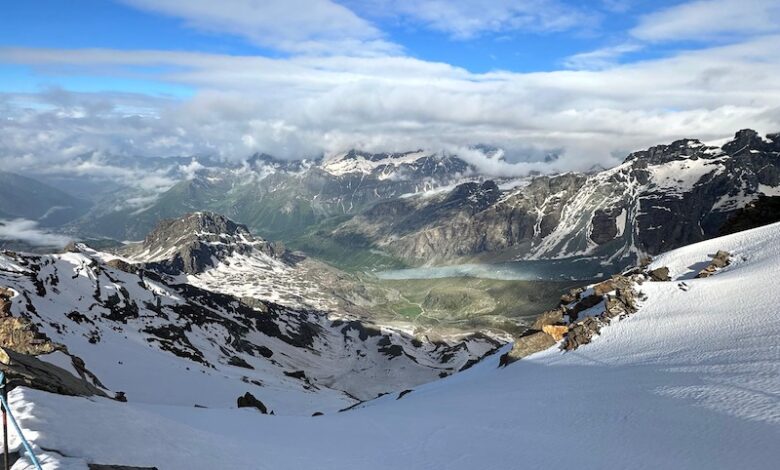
{"x":690,"y":381}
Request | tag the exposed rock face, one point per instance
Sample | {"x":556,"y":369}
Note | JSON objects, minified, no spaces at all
{"x":550,"y":317}
{"x":764,"y":210}
{"x":556,"y":331}
{"x":604,"y":227}
{"x":660,"y":274}
{"x":20,"y":335}
{"x":582,"y":332}
{"x":531,"y":342}
{"x":193,"y":243}
{"x":29,"y":371}
{"x":249,"y":401}
{"x":614,"y":298}
{"x":720,"y":260}
{"x":658,"y":199}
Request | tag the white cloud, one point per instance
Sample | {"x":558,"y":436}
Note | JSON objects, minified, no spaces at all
{"x":465,"y":19}
{"x":710,"y":20}
{"x":303,"y":106}
{"x":28,"y":231}
{"x":601,"y":58}
{"x":300,"y":26}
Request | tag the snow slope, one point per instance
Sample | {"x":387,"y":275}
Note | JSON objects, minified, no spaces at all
{"x":692,"y":380}
{"x":170,"y":343}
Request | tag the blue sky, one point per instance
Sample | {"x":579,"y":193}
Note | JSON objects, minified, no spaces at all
{"x":117,"y":25}
{"x":298,"y":77}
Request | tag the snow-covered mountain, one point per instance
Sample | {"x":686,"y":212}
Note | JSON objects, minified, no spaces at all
{"x":175,"y":311}
{"x":279,"y":199}
{"x":689,"y":380}
{"x":661,"y":198}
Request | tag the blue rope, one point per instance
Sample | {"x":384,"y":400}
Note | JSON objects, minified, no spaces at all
{"x":27,"y":446}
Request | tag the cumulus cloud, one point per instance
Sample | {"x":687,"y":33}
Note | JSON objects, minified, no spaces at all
{"x":307,"y":106}
{"x":27,"y":231}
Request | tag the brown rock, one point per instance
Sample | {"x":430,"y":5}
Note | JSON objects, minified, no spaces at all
{"x":531,"y":342}
{"x":22,"y":336}
{"x":5,"y":301}
{"x":121,"y":265}
{"x":550,"y":317}
{"x":582,"y":333}
{"x":659,"y":274}
{"x":720,"y":260}
{"x":556,"y":331}
{"x":604,"y":287}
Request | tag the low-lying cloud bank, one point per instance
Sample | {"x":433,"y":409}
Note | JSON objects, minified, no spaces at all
{"x":302,"y":107}
{"x":27,"y":231}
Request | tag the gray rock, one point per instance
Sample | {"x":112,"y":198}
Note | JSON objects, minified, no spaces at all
{"x":29,"y":371}
{"x":249,"y":401}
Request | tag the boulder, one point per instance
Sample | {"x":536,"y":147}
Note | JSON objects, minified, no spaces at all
{"x":603,"y":287}
{"x":556,"y":331}
{"x":530,"y":342}
{"x":249,"y":401}
{"x":581,"y":333}
{"x":550,"y":317}
{"x":659,"y":274}
{"x":720,"y":260}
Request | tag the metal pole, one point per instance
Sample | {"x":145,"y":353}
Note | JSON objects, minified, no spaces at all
{"x":5,"y":424}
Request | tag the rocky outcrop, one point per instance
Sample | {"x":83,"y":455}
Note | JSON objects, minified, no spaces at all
{"x":530,"y":342}
{"x":582,"y":332}
{"x":720,"y":260}
{"x":763,"y":211}
{"x":582,"y":314}
{"x":604,"y":226}
{"x":249,"y":401}
{"x":21,"y":335}
{"x":660,"y":274}
{"x":558,"y":332}
{"x":659,"y":199}
{"x":29,"y":371}
{"x":194,"y":243}
{"x":618,"y":299}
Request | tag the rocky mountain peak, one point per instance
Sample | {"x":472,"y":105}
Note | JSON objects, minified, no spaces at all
{"x":747,"y":140}
{"x":206,"y":226}
{"x":678,"y":150}
{"x":197,"y":241}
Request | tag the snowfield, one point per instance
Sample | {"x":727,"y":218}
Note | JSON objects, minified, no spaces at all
{"x":690,"y":381}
